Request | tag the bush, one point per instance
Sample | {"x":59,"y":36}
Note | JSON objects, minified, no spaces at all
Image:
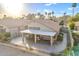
{"x":71,"y":22}
{"x":4,"y":36}
{"x":61,"y":23}
{"x":7,"y":34}
{"x":60,"y":37}
{"x":76,"y":38}
{"x":68,"y":52}
{"x":71,"y":25}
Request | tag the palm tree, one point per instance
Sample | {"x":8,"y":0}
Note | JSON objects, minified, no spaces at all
{"x":52,"y":12}
{"x":45,"y":13}
{"x":64,"y":18}
{"x":50,"y":15}
{"x":65,"y":14}
{"x":73,"y":6}
{"x":53,"y":17}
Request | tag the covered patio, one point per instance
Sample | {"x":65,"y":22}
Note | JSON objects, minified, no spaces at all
{"x":25,"y":34}
{"x":40,"y":45}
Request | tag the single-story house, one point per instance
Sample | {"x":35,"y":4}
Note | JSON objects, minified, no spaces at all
{"x":16,"y":25}
{"x":43,"y":26}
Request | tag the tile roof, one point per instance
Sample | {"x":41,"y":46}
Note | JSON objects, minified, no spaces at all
{"x":22,"y":22}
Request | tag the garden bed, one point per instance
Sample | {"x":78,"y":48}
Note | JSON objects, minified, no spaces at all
{"x":60,"y":37}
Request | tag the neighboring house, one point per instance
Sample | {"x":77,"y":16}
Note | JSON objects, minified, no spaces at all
{"x":14,"y":26}
{"x":77,"y":26}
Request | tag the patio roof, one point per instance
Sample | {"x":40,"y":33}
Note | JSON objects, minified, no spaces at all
{"x":39,"y":32}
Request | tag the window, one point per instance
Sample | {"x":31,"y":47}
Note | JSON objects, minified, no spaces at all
{"x":26,"y":27}
{"x":35,"y":28}
{"x":2,"y":29}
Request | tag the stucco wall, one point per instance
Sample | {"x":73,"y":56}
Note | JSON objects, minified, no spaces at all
{"x":42,"y":27}
{"x":16,"y":32}
{"x":77,"y":28}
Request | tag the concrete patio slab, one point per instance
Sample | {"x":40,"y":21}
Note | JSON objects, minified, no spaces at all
{"x":44,"y":47}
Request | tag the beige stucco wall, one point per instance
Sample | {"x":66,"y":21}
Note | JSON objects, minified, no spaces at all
{"x":11,"y":30}
{"x":15,"y":32}
{"x":42,"y":27}
{"x":77,"y":28}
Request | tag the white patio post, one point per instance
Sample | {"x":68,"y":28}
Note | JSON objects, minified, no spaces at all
{"x":51,"y":40}
{"x":23,"y":38}
{"x":35,"y":38}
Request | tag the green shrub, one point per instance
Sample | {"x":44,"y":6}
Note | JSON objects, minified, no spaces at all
{"x":61,"y":23}
{"x":4,"y":36}
{"x":71,"y":25}
{"x":60,"y":37}
{"x":66,"y":52}
{"x":76,"y":38}
{"x":7,"y":34}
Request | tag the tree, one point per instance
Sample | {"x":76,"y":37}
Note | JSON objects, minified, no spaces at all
{"x":4,"y":16}
{"x":75,"y":18}
{"x":52,"y":12}
{"x":73,"y":6}
{"x":72,"y":25}
{"x":42,"y":16}
{"x":64,"y":13}
{"x":71,"y":22}
{"x":30,"y":16}
{"x":77,"y":15}
{"x":46,"y":13}
{"x":38,"y":13}
{"x":61,"y":23}
{"x":64,"y":18}
{"x":49,"y":15}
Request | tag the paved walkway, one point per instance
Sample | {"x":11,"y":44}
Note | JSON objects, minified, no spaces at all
{"x":54,"y":49}
{"x":9,"y":51}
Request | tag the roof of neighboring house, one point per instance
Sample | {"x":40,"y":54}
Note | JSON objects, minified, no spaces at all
{"x":22,"y":22}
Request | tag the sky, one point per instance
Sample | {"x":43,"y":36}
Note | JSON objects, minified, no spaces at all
{"x":58,"y":8}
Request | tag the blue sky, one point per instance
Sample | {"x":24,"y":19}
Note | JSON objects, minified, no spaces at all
{"x":58,"y":8}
